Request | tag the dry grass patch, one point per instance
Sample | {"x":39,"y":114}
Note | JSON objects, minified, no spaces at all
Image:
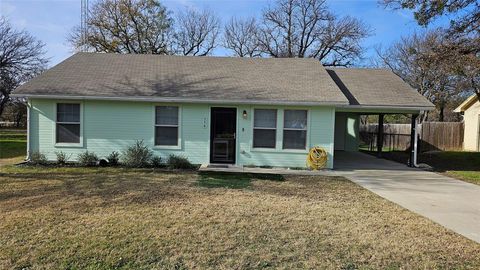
{"x":116,"y":218}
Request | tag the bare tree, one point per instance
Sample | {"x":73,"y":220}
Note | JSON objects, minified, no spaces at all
{"x":468,"y":11}
{"x":414,"y":59}
{"x":460,"y":49}
{"x":126,"y":26}
{"x":15,"y":111}
{"x":240,"y":36}
{"x":21,"y":58}
{"x":196,"y":32}
{"x":306,"y":28}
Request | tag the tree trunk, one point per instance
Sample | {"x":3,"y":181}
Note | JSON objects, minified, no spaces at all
{"x":441,"y":114}
{"x":2,"y":105}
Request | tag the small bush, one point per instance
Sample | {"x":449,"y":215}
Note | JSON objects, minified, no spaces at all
{"x":138,"y":155}
{"x":62,"y":158}
{"x":179,"y":162}
{"x":87,"y":159}
{"x":102,"y":163}
{"x":113,"y":158}
{"x":38,"y":158}
{"x":156,"y":161}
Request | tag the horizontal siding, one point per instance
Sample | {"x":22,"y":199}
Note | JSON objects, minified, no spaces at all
{"x":320,"y":133}
{"x":112,"y":126}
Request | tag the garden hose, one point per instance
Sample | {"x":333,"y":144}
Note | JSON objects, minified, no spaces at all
{"x":317,"y":158}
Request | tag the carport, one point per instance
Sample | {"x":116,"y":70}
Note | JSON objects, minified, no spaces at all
{"x":361,"y":87}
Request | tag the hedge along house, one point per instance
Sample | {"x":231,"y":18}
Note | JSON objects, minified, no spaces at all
{"x":242,"y":111}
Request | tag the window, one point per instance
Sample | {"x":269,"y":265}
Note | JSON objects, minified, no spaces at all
{"x":68,"y":123}
{"x":295,"y":129}
{"x":264,"y":128}
{"x":166,"y":125}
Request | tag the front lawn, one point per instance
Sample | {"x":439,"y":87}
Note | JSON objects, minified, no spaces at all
{"x":107,"y":218}
{"x":461,"y":165}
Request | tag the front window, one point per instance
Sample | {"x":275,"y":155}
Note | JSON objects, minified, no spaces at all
{"x":295,"y":129}
{"x":68,"y":123}
{"x":264,"y":128}
{"x":166,"y":125}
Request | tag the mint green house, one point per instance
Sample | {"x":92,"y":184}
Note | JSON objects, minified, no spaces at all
{"x":240,"y":111}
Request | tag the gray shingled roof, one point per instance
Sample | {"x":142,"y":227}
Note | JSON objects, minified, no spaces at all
{"x":376,"y":87}
{"x":220,"y":79}
{"x":190,"y":78}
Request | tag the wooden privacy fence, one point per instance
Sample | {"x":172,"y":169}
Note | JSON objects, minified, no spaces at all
{"x":445,"y":136}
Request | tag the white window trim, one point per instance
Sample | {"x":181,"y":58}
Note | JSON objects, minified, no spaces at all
{"x":80,"y":143}
{"x":178,"y":126}
{"x":296,"y":129}
{"x":267,"y":149}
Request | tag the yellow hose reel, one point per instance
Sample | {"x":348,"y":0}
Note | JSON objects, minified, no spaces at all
{"x":317,"y":158}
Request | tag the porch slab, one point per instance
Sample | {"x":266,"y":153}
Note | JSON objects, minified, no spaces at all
{"x":242,"y":169}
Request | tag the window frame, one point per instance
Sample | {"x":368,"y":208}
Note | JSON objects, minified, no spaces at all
{"x":296,"y":129}
{"x":265,"y":128}
{"x":178,"y":126}
{"x":80,"y":123}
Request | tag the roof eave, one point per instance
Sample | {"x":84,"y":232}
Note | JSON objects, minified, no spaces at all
{"x":466,"y":104}
{"x":391,"y":107}
{"x":185,"y":100}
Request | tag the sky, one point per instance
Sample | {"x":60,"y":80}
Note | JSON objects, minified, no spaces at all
{"x":51,"y":20}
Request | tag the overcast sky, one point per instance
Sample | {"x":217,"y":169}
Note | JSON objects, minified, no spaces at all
{"x":51,"y":20}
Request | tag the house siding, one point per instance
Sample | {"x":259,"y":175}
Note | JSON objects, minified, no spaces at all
{"x":113,"y":125}
{"x":347,"y":131}
{"x":472,"y":129}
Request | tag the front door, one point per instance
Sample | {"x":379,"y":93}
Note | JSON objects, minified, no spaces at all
{"x":223,"y":135}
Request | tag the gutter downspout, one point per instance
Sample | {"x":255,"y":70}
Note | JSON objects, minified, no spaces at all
{"x":415,"y":145}
{"x":28,"y":131}
{"x":412,"y":161}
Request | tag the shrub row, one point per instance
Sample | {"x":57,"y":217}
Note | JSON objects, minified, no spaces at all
{"x":137,"y":155}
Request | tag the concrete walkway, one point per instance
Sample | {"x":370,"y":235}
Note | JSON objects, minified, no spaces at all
{"x":452,"y":203}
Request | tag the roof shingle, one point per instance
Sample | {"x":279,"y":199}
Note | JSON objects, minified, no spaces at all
{"x":207,"y":78}
{"x":376,"y":87}
{"x":221,"y":79}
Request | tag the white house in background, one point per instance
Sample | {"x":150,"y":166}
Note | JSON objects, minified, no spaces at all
{"x":471,"y":116}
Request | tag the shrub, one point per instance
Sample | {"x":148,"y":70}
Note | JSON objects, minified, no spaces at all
{"x":87,"y":158}
{"x":179,"y":162}
{"x":38,"y":158}
{"x":138,"y":155}
{"x":62,"y":158}
{"x":113,"y":158}
{"x":156,"y":161}
{"x":102,"y":163}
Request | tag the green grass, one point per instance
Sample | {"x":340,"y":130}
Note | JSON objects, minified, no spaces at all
{"x":115,"y":218}
{"x":13,"y":143}
{"x":235,"y":180}
{"x":468,"y":176}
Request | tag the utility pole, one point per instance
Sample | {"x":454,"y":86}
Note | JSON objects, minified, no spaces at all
{"x":84,"y":25}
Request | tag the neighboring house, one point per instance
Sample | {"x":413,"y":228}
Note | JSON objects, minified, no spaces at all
{"x":242,"y":111}
{"x":471,"y":117}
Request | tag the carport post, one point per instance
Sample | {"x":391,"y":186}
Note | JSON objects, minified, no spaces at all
{"x":380,"y":135}
{"x":413,"y":141}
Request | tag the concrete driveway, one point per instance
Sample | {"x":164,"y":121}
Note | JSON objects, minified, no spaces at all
{"x":452,"y":203}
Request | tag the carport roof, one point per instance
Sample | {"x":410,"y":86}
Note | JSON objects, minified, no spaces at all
{"x":367,"y":87}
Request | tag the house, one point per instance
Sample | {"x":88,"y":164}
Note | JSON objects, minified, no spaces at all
{"x":471,"y":117}
{"x":241,"y":111}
